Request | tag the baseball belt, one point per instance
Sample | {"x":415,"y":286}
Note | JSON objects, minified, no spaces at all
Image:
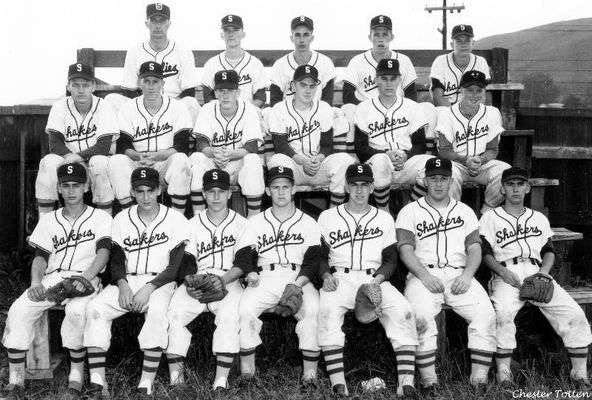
{"x":68,"y":270}
{"x":369,"y":271}
{"x":145,"y":273}
{"x":517,"y":260}
{"x":443,"y":266}
{"x":273,"y":267}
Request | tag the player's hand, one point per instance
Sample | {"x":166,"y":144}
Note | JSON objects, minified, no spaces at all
{"x":330,"y":283}
{"x":36,"y":292}
{"x":140,"y":299}
{"x":194,"y":293}
{"x":433,"y":283}
{"x":72,"y":158}
{"x":398,"y":158}
{"x":146,"y":159}
{"x":511,"y":278}
{"x":310,"y":166}
{"x":126,"y":297}
{"x":221,"y":158}
{"x":474,"y":165}
{"x":460,"y":284}
{"x":252,"y":279}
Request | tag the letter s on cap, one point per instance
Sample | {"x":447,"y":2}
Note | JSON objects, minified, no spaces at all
{"x":70,"y":169}
{"x":143,"y":173}
{"x":215,"y":176}
{"x":360,"y":169}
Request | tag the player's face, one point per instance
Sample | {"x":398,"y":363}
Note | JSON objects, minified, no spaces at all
{"x":232,"y":36}
{"x":281,"y":191}
{"x":72,"y":192}
{"x":387,"y":84}
{"x":462,"y":44}
{"x":304,"y":90}
{"x":438,"y":186}
{"x":158,"y":26}
{"x":359,"y":192}
{"x":472,"y":95}
{"x":302,"y":37}
{"x":381,"y":38}
{"x":81,"y":90}
{"x":515,"y":191}
{"x":146,"y":197}
{"x":217,"y":199}
{"x":227,"y":98}
{"x":151,"y":87}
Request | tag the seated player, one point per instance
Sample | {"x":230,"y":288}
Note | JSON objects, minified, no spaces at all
{"x":220,"y":244}
{"x":358,"y":246}
{"x":80,"y":128}
{"x":227,"y":135}
{"x":517,"y":245}
{"x":468,"y":135}
{"x":287,"y":249}
{"x":144,"y":267}
{"x":74,"y":240}
{"x":438,"y":240}
{"x":155,"y":133}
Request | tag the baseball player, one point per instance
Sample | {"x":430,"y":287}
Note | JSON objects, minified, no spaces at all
{"x":302,"y":133}
{"x":252,"y":78}
{"x":74,"y":240}
{"x":180,"y":79}
{"x":221,"y":244}
{"x":288,"y":243}
{"x":358,"y":246}
{"x":80,"y":128}
{"x":447,"y":70}
{"x":517,"y":244}
{"x":438,"y":240}
{"x":155,"y":132}
{"x":469,"y":134}
{"x":227,"y":135}
{"x":148,"y":244}
{"x":390,"y":134}
{"x":283,"y":69}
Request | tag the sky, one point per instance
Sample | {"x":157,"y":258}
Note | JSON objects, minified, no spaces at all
{"x":40,"y":37}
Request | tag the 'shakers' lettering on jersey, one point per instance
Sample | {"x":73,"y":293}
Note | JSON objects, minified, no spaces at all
{"x":521,"y":232}
{"x":169,"y":69}
{"x":369,"y":83}
{"x":471,"y":132}
{"x":74,"y":238}
{"x":425,"y":230}
{"x":81,"y":131}
{"x":378,"y":128}
{"x":265,"y":242}
{"x":217,"y":245}
{"x":306,"y":130}
{"x":339,"y":237}
{"x":228,"y":138}
{"x":137,"y":244}
{"x":156,"y":130}
{"x":244,"y":79}
{"x":451,"y":87}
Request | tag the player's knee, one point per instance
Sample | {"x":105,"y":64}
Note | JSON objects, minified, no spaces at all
{"x":50,"y":163}
{"x":98,"y":164}
{"x":279,"y":160}
{"x":117,"y":163}
{"x":252,"y":160}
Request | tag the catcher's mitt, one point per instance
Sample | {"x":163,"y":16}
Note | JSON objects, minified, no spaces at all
{"x":537,"y":287}
{"x":290,"y":302}
{"x":66,"y":289}
{"x":208,"y":287}
{"x":368,"y":302}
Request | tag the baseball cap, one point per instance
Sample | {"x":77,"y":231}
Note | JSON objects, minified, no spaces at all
{"x":226,"y":79}
{"x":80,"y":70}
{"x":388,"y":66}
{"x":473,"y":77}
{"x":438,"y":166}
{"x":232,"y":20}
{"x":514,"y":173}
{"x":306,"y":71}
{"x":462,"y":30}
{"x":151,"y":68}
{"x":302,"y":20}
{"x":359,"y":172}
{"x":72,"y":172}
{"x":280,"y":172}
{"x":158,"y":9}
{"x":216,"y":178}
{"x":145,"y":176}
{"x":381,"y":20}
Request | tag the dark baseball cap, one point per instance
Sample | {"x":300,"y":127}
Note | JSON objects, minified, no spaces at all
{"x":462,"y":30}
{"x":302,"y":20}
{"x":151,"y":68}
{"x":72,"y":172}
{"x":145,"y":176}
{"x":306,"y":71}
{"x":381,"y":20}
{"x":216,"y":178}
{"x":388,"y":66}
{"x":438,"y":166}
{"x":158,"y":9}
{"x":226,"y":79}
{"x":514,"y":173}
{"x":280,"y":172}
{"x":80,"y":70}
{"x":232,"y":20}
{"x":473,"y":77}
{"x":359,"y":172}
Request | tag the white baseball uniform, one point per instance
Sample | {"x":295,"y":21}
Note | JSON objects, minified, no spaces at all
{"x":80,"y":132}
{"x":72,"y":247}
{"x":232,"y":134}
{"x":445,"y":70}
{"x":440,"y":240}
{"x":285,"y":250}
{"x":517,"y":242}
{"x":216,"y":248}
{"x":356,"y":243}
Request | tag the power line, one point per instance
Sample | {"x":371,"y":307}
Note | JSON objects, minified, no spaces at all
{"x":445,"y":8}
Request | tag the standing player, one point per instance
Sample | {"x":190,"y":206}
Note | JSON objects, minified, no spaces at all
{"x":438,"y":240}
{"x":155,"y":133}
{"x":80,"y":129}
{"x":448,"y":69}
{"x":469,"y":134}
{"x":74,"y":240}
{"x":148,"y":245}
{"x":358,"y":246}
{"x":517,"y":244}
{"x":220,"y":244}
{"x":288,"y":243}
{"x":390,"y":134}
{"x":251,"y":74}
{"x":302,"y":132}
{"x":227,"y":135}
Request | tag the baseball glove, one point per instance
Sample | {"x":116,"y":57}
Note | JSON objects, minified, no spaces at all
{"x":368,"y":302}
{"x":66,"y":289}
{"x":537,"y":287}
{"x":290,"y":302}
{"x":210,"y":287}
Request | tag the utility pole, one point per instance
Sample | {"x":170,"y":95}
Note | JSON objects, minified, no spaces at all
{"x":444,"y":8}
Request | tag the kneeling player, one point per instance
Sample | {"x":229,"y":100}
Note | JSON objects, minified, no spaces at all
{"x":517,"y":245}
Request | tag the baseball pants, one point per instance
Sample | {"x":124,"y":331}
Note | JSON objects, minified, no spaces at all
{"x":116,"y":100}
{"x":565,"y":315}
{"x":385,"y":174}
{"x":397,"y":314}
{"x":473,"y":305}
{"x":104,"y":308}
{"x":256,"y":300}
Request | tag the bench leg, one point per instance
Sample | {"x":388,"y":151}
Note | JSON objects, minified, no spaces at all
{"x":40,"y":363}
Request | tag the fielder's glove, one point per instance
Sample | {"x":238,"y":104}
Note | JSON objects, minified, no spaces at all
{"x":537,"y":287}
{"x":66,"y":289}
{"x":290,"y":302}
{"x":207,"y":288}
{"x":368,"y":303}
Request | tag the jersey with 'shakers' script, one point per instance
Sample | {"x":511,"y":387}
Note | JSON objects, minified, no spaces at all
{"x":153,"y":132}
{"x":81,"y":132}
{"x":356,"y":241}
{"x":390,"y":128}
{"x":510,"y":236}
{"x":71,"y":245}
